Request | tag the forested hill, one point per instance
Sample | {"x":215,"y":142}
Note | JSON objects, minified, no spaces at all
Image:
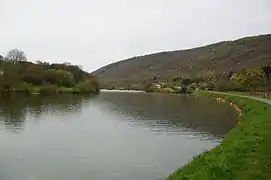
{"x":206,"y":61}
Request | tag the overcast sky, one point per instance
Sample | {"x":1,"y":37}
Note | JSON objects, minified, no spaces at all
{"x":93,"y":33}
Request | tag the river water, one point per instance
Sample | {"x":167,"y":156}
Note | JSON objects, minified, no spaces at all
{"x":113,"y":136}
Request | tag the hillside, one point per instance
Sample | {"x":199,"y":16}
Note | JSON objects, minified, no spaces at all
{"x":206,"y":61}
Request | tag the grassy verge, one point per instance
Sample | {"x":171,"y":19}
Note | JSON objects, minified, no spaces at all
{"x":244,"y":154}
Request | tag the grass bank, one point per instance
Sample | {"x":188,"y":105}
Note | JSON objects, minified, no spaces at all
{"x":245,"y":152}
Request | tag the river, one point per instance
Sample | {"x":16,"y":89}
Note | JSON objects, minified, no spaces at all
{"x":112,"y":136}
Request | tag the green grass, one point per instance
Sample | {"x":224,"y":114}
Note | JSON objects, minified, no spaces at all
{"x":244,"y":154}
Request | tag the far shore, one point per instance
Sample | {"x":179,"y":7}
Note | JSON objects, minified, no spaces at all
{"x":119,"y":90}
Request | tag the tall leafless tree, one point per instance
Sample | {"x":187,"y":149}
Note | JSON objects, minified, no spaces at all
{"x":16,"y":55}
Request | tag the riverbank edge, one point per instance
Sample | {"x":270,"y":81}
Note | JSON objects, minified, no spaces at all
{"x":47,"y":90}
{"x":245,"y":152}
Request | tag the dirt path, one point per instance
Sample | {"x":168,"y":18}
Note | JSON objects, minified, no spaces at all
{"x":268,"y":101}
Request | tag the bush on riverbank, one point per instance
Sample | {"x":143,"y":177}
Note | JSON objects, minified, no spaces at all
{"x":245,"y":152}
{"x":88,"y":86}
{"x":51,"y":89}
{"x":167,"y":90}
{"x":48,"y":89}
{"x":19,"y":75}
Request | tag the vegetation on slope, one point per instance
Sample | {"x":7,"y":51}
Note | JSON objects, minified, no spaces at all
{"x":244,"y":154}
{"x":252,"y":80}
{"x":215,"y":60}
{"x":19,"y":75}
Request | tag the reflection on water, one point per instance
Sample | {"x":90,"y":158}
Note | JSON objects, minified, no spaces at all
{"x":15,"y":109}
{"x":115,"y":135}
{"x":170,"y":113}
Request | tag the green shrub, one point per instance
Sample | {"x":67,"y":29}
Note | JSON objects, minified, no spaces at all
{"x":59,"y":77}
{"x":88,"y":86}
{"x":48,"y":89}
{"x":75,"y":90}
{"x":167,"y":90}
{"x":22,"y":87}
{"x":64,"y":90}
{"x":229,"y":86}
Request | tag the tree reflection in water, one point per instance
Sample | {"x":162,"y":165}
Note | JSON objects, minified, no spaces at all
{"x":15,"y":109}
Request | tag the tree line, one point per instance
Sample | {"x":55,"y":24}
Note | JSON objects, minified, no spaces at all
{"x":247,"y":80}
{"x":18,"y":74}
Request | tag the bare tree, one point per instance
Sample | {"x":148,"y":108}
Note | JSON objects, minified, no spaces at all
{"x":16,"y":55}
